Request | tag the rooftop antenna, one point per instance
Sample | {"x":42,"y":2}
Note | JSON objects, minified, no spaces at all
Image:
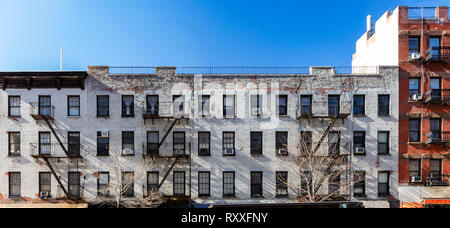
{"x":61,"y":59}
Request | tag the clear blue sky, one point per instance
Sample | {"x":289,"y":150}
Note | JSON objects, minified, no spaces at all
{"x":184,"y":32}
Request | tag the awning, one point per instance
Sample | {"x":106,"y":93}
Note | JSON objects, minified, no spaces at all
{"x":411,"y":205}
{"x":436,"y":201}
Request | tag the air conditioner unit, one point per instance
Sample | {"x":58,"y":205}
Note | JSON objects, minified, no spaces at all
{"x":256,"y":111}
{"x":228,"y":151}
{"x":105,"y":134}
{"x":414,"y":56}
{"x":416,"y":97}
{"x":416,"y":179}
{"x":282,"y":152}
{"x":128,"y":151}
{"x":44,"y":194}
{"x":204,"y":151}
{"x":360,"y":150}
{"x":178,"y":152}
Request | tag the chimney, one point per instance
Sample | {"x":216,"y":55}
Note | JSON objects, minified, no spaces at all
{"x":369,"y":23}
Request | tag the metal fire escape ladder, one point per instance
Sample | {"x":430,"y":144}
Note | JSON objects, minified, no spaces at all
{"x":168,"y":171}
{"x":168,"y":132}
{"x":176,"y":158}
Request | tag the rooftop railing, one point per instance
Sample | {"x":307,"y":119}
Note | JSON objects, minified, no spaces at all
{"x":422,"y":12}
{"x":117,"y":70}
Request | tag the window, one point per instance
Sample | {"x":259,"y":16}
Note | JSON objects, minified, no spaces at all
{"x":436,"y":170}
{"x":204,"y":105}
{"x":282,"y":105}
{"x":359,"y":102}
{"x":14,"y":184}
{"x":333,"y":105}
{"x":256,"y":182}
{"x":359,"y":142}
{"x":45,"y":105}
{"x":178,"y":105}
{"x":435,"y":86}
{"x":359,"y":183}
{"x":204,"y":145}
{"x":128,"y":184}
{"x":435,"y":129}
{"x":414,"y":87}
{"x":228,"y":184}
{"x":228,"y":143}
{"x":435,"y":44}
{"x":383,"y":105}
{"x":152,"y":105}
{"x":128,"y":143}
{"x":102,"y":105}
{"x":204,"y":183}
{"x":45,"y":146}
{"x":306,"y":142}
{"x":127,"y":105}
{"x":14,"y":106}
{"x":73,"y":105}
{"x":383,"y":183}
{"x":74,"y":184}
{"x":228,"y":106}
{"x":256,"y":142}
{"x":179,"y":145}
{"x":281,"y":183}
{"x":152,"y":143}
{"x":74,"y":144}
{"x":383,"y":142}
{"x":14,"y":143}
{"x":179,"y":183}
{"x":45,"y":184}
{"x":306,"y":185}
{"x":334,"y":184}
{"x":306,"y":104}
{"x":414,"y":45}
{"x":334,"y":143}
{"x":414,"y":130}
{"x":152,"y":181}
{"x":102,"y":144}
{"x":414,"y":168}
{"x":103,"y":184}
{"x":281,"y":142}
{"x":255,"y":105}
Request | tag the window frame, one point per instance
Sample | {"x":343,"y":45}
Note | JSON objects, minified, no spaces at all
{"x":148,"y":105}
{"x":279,"y":185}
{"x":176,"y":185}
{"x":129,"y":138}
{"x":124,"y":106}
{"x":77,"y":107}
{"x":150,"y":145}
{"x":334,"y":145}
{"x":360,"y":107}
{"x":308,"y":107}
{"x":152,"y":186}
{"x":256,"y":142}
{"x":71,"y":145}
{"x":384,"y":107}
{"x":71,"y":185}
{"x":129,"y":192}
{"x":417,"y":131}
{"x":225,"y":106}
{"x":417,"y":91}
{"x":100,"y":185}
{"x":387,"y":184}
{"x":99,"y":136}
{"x":100,"y":106}
{"x":363,"y":143}
{"x":280,"y":106}
{"x":203,"y":104}
{"x":419,"y":169}
{"x":10,"y":134}
{"x":332,"y":107}
{"x":226,"y":143}
{"x":41,"y":185}
{"x":11,"y":106}
{"x":200,"y":142}
{"x":278,"y":144}
{"x":202,"y":185}
{"x":387,"y":144}
{"x":256,"y":184}
{"x":233,"y":194}
{"x":176,"y":144}
{"x":412,"y":50}
{"x":17,"y":184}
{"x":359,"y":183}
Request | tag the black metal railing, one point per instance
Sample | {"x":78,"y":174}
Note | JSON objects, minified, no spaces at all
{"x":437,"y":137}
{"x":54,"y":150}
{"x":441,"y":53}
{"x":47,"y":111}
{"x":242,"y":70}
{"x":437,"y":95}
{"x":437,"y":180}
{"x":421,"y":12}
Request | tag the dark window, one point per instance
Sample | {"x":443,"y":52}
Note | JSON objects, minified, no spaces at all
{"x":179,"y":143}
{"x":436,"y":92}
{"x":383,"y":183}
{"x":256,"y":182}
{"x":14,"y":184}
{"x":152,"y":105}
{"x":14,"y":106}
{"x":436,"y":170}
{"x":256,"y":142}
{"x":228,"y":106}
{"x":228,"y":184}
{"x":45,"y":105}
{"x":306,"y":104}
{"x":334,"y":143}
{"x":281,"y":183}
{"x":14,"y":143}
{"x":306,"y":185}
{"x":228,"y":143}
{"x":103,"y":184}
{"x":204,"y":105}
{"x":74,"y":184}
{"x":45,"y":146}
{"x":414,"y":45}
{"x":414,"y":87}
{"x":359,"y":103}
{"x":204,"y":183}
{"x":128,"y":143}
{"x":306,"y":142}
{"x":204,"y":144}
{"x":127,"y":184}
{"x":383,"y":105}
{"x":435,"y":129}
{"x":334,"y":184}
{"x":45,"y":184}
{"x":414,"y":130}
{"x":414,"y":168}
{"x":102,"y":144}
{"x":255,"y":105}
{"x":333,"y":105}
{"x":127,"y":105}
{"x":179,"y":183}
{"x":359,"y":183}
{"x":359,"y":142}
{"x":152,"y":181}
{"x":152,"y":142}
{"x":281,"y":142}
{"x":102,"y":105}
{"x":282,"y":105}
{"x":74,"y":143}
{"x":383,"y":142}
{"x":73,"y":105}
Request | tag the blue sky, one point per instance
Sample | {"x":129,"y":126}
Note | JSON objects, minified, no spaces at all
{"x":184,"y":32}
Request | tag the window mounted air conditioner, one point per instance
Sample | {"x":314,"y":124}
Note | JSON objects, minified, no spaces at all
{"x":416,"y":179}
{"x":360,"y":150}
{"x":104,"y":134}
{"x":178,"y":152}
{"x":282,"y":152}
{"x":44,"y":194}
{"x":416,"y":97}
{"x":204,"y":151}
{"x":128,"y":151}
{"x":228,"y":151}
{"x":414,"y":56}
